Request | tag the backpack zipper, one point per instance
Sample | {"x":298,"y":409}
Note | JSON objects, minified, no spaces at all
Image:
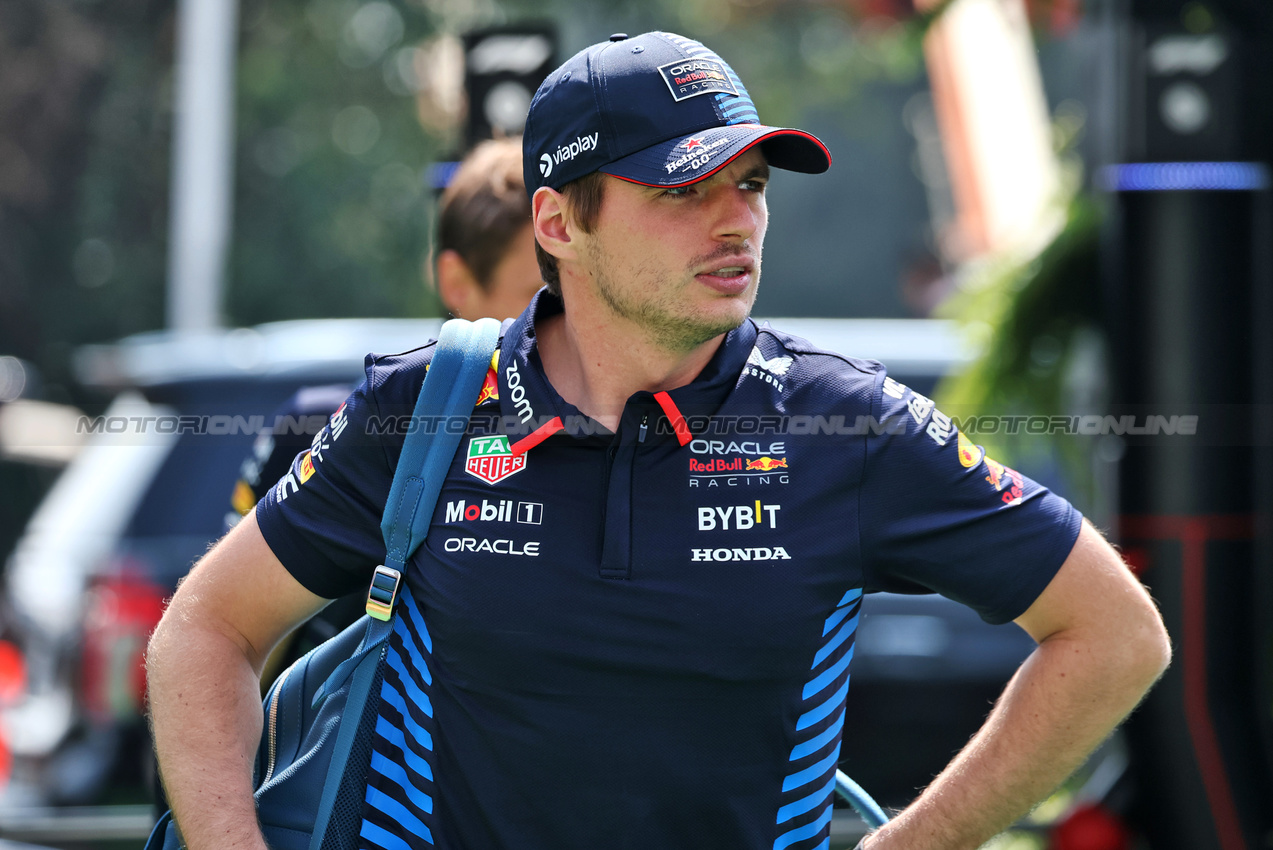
{"x":272,"y":732}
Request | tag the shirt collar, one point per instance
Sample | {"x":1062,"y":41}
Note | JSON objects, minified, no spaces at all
{"x":529,"y":402}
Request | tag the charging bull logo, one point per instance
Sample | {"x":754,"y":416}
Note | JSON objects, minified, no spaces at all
{"x":490,"y":386}
{"x":1008,"y":482}
{"x":765,"y":464}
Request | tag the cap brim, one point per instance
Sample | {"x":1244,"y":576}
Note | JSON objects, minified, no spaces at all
{"x":698,"y":156}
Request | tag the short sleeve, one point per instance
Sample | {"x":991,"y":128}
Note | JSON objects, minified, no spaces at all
{"x":936,"y":514}
{"x":293,"y":427}
{"x":322,"y":518}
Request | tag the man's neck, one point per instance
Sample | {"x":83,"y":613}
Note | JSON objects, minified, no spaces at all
{"x":596,"y":360}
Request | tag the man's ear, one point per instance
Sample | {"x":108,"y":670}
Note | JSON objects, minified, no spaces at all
{"x":553,"y":228}
{"x":457,"y":287}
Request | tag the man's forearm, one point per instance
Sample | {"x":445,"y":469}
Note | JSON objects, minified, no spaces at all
{"x":205,"y":710}
{"x":1058,"y":707}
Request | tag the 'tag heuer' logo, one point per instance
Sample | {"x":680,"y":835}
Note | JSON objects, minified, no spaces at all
{"x":490,"y":459}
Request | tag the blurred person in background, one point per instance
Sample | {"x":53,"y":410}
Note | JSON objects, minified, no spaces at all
{"x":485,"y":263}
{"x":484,"y":266}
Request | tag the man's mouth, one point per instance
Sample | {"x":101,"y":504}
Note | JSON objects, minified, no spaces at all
{"x":728,"y":280}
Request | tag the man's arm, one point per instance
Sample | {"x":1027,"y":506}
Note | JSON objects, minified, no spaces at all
{"x":203,"y":669}
{"x":1102,"y":645}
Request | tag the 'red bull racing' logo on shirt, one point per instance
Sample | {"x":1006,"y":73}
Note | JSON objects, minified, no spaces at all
{"x":764,"y":464}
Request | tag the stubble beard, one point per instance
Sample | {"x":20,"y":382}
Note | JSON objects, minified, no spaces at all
{"x":663,"y":314}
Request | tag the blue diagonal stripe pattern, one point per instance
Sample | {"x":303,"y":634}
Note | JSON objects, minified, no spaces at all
{"x":804,"y":816}
{"x":398,"y":807}
{"x":803,"y":833}
{"x":735,"y":109}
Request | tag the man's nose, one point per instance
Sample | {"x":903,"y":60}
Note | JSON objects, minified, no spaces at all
{"x":736,"y":213}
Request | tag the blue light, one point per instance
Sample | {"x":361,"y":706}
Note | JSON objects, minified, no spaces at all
{"x":1185,"y":177}
{"x":439,"y":175}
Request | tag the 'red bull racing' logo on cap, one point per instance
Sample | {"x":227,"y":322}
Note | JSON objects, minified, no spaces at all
{"x":688,"y":78}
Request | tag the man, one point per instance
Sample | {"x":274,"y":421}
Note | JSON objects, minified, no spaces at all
{"x":485,"y":263}
{"x":634,"y":613}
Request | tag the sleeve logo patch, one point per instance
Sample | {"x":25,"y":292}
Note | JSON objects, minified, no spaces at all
{"x":1008,"y":482}
{"x":970,"y":454}
{"x":307,"y":467}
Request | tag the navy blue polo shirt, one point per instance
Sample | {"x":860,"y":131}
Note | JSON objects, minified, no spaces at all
{"x":643,"y":638}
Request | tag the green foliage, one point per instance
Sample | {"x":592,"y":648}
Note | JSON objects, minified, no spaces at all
{"x":794,"y":56}
{"x":331,"y":214}
{"x":332,"y":211}
{"x":83,"y":158}
{"x":1032,"y":317}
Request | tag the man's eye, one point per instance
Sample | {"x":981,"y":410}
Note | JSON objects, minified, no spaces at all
{"x":677,"y":191}
{"x":752,"y":185}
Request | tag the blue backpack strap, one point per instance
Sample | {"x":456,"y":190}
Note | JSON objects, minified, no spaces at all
{"x":441,"y":416}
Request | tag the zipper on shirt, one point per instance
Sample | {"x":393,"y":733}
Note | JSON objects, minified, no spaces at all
{"x":616,"y":541}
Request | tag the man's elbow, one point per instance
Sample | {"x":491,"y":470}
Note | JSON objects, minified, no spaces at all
{"x":1146,"y":651}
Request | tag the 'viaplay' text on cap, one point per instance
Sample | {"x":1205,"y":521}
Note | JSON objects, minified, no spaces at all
{"x":657,"y":109}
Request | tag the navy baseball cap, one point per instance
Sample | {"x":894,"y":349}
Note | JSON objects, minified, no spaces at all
{"x":657,"y":109}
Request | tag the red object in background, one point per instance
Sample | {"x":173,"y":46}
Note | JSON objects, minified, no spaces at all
{"x":1137,"y":559}
{"x":1090,"y":827}
{"x":1056,"y":17}
{"x":121,"y":613}
{"x":13,"y":681}
{"x":13,"y":673}
{"x":6,"y":761}
{"x":894,"y":9}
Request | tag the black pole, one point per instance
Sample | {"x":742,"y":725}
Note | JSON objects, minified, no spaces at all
{"x":1189,"y":287}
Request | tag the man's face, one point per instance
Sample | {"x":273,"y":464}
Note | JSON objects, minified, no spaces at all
{"x":681,"y":264}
